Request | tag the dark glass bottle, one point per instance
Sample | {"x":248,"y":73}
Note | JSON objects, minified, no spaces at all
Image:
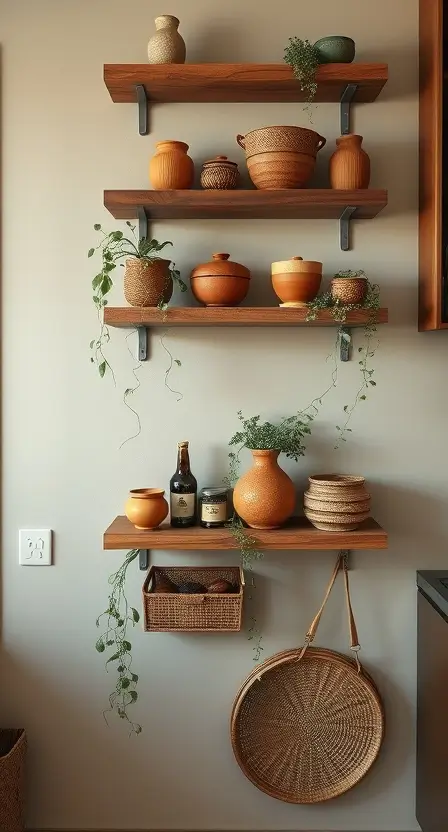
{"x":183,"y":490}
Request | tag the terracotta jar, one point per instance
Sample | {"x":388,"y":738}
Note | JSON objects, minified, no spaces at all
{"x":171,"y":169}
{"x":349,"y":164}
{"x":265,"y":496}
{"x":147,"y":282}
{"x":146,"y":508}
{"x":219,"y":174}
{"x":296,"y":281}
{"x":281,"y":156}
{"x":220,"y":282}
{"x":349,"y":289}
{"x":166,"y":46}
{"x":336,"y":502}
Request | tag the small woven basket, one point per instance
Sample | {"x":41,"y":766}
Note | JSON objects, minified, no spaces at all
{"x":13,"y":746}
{"x":281,"y":138}
{"x":147,"y":283}
{"x":219,"y":174}
{"x":205,"y":612}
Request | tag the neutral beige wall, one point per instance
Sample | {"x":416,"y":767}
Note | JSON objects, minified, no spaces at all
{"x":64,"y":142}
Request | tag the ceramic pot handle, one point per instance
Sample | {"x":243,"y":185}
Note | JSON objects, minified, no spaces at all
{"x":321,"y":142}
{"x":240,"y":140}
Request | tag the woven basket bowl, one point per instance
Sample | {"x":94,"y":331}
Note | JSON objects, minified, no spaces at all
{"x":219,"y":177}
{"x":279,"y":170}
{"x":147,"y":283}
{"x":202,"y":612}
{"x":307,"y":731}
{"x":349,"y":289}
{"x":332,"y":480}
{"x":281,"y":138}
{"x":344,"y":507}
{"x":342,"y":495}
{"x":329,"y":522}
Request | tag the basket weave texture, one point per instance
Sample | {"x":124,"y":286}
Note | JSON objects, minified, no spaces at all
{"x":13,"y":746}
{"x":147,"y":283}
{"x":281,"y":138}
{"x":208,"y":612}
{"x":307,"y":725}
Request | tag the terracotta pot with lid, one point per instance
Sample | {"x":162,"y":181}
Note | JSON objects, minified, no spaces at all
{"x":296,"y":281}
{"x":220,"y":282}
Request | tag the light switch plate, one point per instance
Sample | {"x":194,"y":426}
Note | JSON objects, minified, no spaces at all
{"x":35,"y":547}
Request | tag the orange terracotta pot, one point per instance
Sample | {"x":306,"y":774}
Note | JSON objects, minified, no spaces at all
{"x":171,"y":168}
{"x":220,"y":282}
{"x":349,"y":164}
{"x":296,"y":281}
{"x":147,"y":282}
{"x":265,"y":496}
{"x":146,"y":508}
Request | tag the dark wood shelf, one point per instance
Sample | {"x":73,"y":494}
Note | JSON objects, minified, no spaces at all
{"x":208,"y":83}
{"x":128,"y":316}
{"x":322,"y":203}
{"x":298,"y":534}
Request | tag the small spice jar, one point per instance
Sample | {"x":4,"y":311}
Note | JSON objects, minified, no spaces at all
{"x":219,"y":174}
{"x":213,"y":512}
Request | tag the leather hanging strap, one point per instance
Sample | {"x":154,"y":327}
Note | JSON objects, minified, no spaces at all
{"x":311,"y":634}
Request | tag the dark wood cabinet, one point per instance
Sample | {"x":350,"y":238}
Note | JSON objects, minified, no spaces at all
{"x":433,"y":232}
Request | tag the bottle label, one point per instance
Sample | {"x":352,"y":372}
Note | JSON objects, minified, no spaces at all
{"x":214,"y":512}
{"x":183,"y":505}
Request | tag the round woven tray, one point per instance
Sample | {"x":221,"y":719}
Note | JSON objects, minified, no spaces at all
{"x":307,"y":725}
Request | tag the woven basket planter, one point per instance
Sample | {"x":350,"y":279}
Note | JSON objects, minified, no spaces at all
{"x":204,"y":612}
{"x":12,"y":779}
{"x":147,"y":283}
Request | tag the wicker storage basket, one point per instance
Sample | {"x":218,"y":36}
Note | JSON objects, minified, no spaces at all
{"x":308,"y":724}
{"x":208,"y":612}
{"x":12,"y":779}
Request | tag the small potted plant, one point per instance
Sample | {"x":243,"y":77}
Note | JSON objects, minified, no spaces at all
{"x":349,"y":287}
{"x":148,"y":278}
{"x":264,"y":497}
{"x":304,"y":59}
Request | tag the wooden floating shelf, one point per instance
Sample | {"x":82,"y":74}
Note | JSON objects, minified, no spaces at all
{"x":129,"y":316}
{"x":319,"y":203}
{"x":298,"y":534}
{"x":208,"y":83}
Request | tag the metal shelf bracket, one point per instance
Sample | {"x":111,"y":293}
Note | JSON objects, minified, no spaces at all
{"x":144,"y":560}
{"x":345,"y":105}
{"x":143,"y":124}
{"x":344,"y":227}
{"x":345,"y":343}
{"x":142,"y":343}
{"x":142,"y":223}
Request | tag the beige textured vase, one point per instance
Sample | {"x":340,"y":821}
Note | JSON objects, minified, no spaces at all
{"x":265,"y":496}
{"x":349,"y":164}
{"x":171,"y":169}
{"x":146,"y":508}
{"x":146,"y":282}
{"x":166,"y":46}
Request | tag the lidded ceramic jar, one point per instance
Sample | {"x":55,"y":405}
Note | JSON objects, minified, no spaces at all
{"x":221,"y":282}
{"x":219,"y":174}
{"x":146,"y":508}
{"x":166,"y":46}
{"x":296,"y":281}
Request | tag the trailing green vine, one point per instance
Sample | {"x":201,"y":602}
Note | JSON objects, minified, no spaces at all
{"x":304,"y":59}
{"x":119,"y":616}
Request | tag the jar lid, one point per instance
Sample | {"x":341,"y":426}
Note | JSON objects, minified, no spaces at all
{"x":221,"y":161}
{"x":214,"y":492}
{"x":296,"y":264}
{"x":220,"y":266}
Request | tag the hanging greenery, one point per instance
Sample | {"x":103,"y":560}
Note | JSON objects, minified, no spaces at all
{"x":303,"y":57}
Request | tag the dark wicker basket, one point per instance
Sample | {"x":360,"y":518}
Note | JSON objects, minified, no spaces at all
{"x":208,"y":612}
{"x":12,"y":779}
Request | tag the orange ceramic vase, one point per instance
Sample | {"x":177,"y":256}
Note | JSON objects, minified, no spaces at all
{"x":146,"y":508}
{"x":171,"y":169}
{"x":349,"y":164}
{"x":265,"y":496}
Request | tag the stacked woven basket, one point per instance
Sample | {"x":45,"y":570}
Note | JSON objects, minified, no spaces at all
{"x":336,"y":503}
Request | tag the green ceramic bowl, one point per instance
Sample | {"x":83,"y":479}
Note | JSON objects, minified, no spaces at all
{"x":335,"y":49}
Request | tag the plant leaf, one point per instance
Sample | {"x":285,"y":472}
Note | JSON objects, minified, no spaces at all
{"x":127,"y":646}
{"x":113,"y":658}
{"x":97,"y":226}
{"x":135,"y":615}
{"x":91,"y":252}
{"x":134,"y":695}
{"x":102,"y":369}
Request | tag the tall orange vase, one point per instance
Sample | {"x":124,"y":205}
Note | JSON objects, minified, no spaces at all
{"x":265,"y":496}
{"x":171,"y":169}
{"x":349,"y":164}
